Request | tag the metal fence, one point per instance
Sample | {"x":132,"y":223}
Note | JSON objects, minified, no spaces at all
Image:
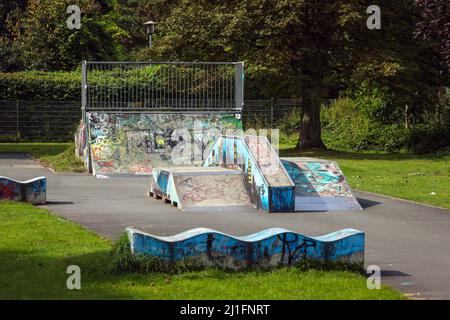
{"x":56,"y":121}
{"x":52,"y":121}
{"x":136,"y":86}
{"x":268,"y":113}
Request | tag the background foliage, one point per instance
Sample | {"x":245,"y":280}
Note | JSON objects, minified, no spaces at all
{"x":391,"y":84}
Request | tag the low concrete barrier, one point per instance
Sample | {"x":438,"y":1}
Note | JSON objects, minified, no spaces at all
{"x":261,"y":250}
{"x":33,"y":191}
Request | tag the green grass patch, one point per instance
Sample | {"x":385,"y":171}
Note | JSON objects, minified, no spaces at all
{"x":36,"y":248}
{"x":58,"y":156}
{"x":421,"y":178}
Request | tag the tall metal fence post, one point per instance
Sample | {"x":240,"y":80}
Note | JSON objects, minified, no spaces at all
{"x":239,"y":85}
{"x":83,"y":90}
{"x":17,"y":122}
{"x":271,"y":112}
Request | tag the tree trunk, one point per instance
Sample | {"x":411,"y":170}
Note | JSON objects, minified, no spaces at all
{"x":310,"y":129}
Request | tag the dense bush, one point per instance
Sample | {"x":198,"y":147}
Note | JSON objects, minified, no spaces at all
{"x":10,"y":57}
{"x":346,"y":127}
{"x":430,"y":137}
{"x":108,"y":83}
{"x":40,"y":86}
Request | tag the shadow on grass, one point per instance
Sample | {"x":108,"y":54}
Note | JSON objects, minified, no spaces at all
{"x":25,"y":276}
{"x":28,"y":275}
{"x":348,"y":155}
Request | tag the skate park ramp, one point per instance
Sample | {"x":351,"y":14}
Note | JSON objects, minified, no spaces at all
{"x":267,"y":182}
{"x":320,"y":185}
{"x":123,"y":144}
{"x":199,"y":189}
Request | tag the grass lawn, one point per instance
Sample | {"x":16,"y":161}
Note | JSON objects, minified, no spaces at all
{"x":36,"y":247}
{"x":59,"y":156}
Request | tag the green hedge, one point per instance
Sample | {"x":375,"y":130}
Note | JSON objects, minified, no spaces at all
{"x":40,"y":86}
{"x":110,"y":82}
{"x":346,"y":127}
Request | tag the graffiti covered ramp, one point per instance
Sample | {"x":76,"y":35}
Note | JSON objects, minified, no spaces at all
{"x":261,"y":250}
{"x":120,"y":143}
{"x":320,"y":185}
{"x":200,"y":189}
{"x":267,"y":182}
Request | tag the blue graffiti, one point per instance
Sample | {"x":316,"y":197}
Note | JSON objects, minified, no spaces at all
{"x":270,"y":247}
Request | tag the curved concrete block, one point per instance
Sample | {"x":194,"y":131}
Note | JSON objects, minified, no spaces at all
{"x":264,"y":249}
{"x":33,"y":190}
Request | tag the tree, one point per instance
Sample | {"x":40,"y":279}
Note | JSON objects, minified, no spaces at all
{"x":48,"y":44}
{"x":407,"y":69}
{"x":434,"y":25}
{"x":286,"y":45}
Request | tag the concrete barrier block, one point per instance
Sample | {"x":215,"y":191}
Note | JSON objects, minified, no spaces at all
{"x":261,"y":250}
{"x":33,"y":191}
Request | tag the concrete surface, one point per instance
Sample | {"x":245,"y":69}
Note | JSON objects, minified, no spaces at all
{"x":410,"y":242}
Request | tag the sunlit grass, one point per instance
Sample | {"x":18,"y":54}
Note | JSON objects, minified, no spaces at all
{"x":36,"y":248}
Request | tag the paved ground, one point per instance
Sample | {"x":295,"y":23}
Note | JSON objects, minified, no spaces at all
{"x":410,"y":242}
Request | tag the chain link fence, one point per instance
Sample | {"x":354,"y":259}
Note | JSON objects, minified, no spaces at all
{"x":38,"y":121}
{"x":57,"y":121}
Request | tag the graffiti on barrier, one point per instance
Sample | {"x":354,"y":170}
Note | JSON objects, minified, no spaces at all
{"x":81,"y":145}
{"x":33,"y":190}
{"x":317,"y":178}
{"x":134,"y":143}
{"x":261,"y":250}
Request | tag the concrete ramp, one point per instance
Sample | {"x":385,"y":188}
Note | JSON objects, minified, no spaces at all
{"x":266,"y":181}
{"x":198,"y":189}
{"x":267,"y":159}
{"x":320,"y":185}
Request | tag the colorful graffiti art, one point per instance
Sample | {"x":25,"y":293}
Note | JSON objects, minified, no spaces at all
{"x":196,"y":189}
{"x":135,"y":143}
{"x":261,"y":250}
{"x":319,"y":185}
{"x":266,"y":181}
{"x":317,"y":178}
{"x":33,"y":191}
{"x":81,"y":145}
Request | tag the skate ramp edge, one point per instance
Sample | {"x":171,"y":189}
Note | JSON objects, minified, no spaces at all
{"x":251,"y":155}
{"x":320,"y":185}
{"x":200,"y":189}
